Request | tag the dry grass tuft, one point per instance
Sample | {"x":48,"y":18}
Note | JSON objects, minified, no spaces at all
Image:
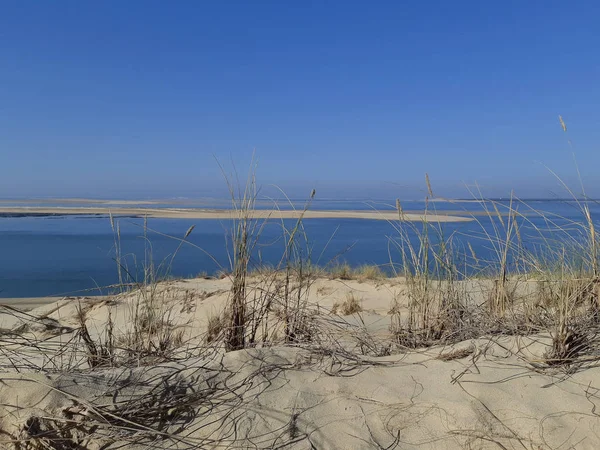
{"x":351,"y":305}
{"x":341,"y":272}
{"x":369,"y":272}
{"x":216,"y":327}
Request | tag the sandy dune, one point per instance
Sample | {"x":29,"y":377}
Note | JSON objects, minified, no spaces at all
{"x":482,"y":393}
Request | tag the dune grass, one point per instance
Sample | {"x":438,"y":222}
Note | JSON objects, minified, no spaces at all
{"x":351,"y":305}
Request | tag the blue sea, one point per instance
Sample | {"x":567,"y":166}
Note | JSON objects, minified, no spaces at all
{"x":75,"y":255}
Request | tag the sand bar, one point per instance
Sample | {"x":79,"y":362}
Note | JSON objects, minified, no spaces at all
{"x":189,"y":213}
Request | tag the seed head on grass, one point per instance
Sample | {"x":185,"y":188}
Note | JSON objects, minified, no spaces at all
{"x":562,"y":123}
{"x":399,"y":209}
{"x":429,"y":190}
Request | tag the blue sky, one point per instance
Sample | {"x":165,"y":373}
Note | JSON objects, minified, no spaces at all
{"x":357,"y":99}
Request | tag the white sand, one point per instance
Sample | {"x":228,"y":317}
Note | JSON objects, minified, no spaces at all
{"x":490,"y":397}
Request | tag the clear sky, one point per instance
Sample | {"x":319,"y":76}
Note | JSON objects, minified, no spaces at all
{"x":357,"y":99}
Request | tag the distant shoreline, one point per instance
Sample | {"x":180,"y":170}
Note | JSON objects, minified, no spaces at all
{"x":190,"y":213}
{"x":175,"y":201}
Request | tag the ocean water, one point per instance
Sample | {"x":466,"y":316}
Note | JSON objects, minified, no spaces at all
{"x":74,"y":255}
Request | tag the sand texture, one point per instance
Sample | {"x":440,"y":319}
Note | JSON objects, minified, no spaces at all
{"x":343,"y":389}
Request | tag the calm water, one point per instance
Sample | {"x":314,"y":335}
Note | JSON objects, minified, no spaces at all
{"x":74,"y":255}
